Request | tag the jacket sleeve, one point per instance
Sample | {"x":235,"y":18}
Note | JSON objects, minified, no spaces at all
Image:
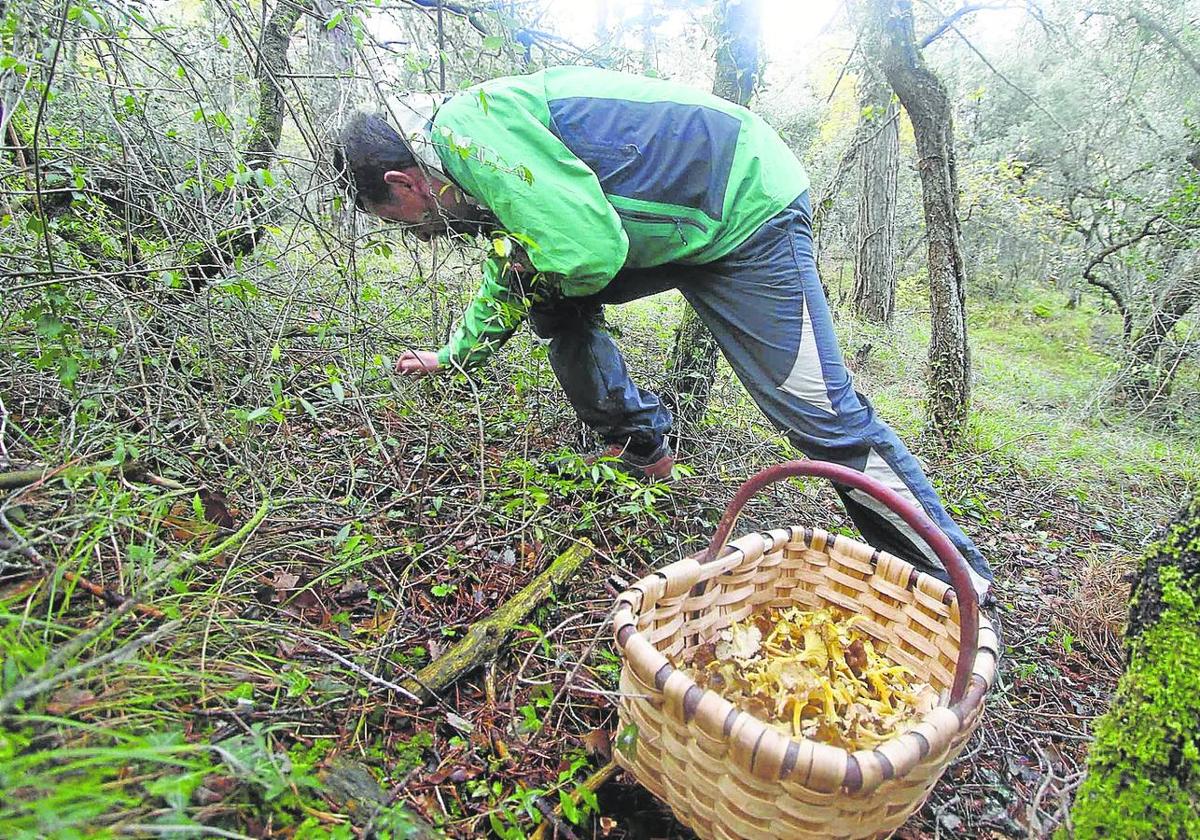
{"x":496,"y":149}
{"x":491,"y":318}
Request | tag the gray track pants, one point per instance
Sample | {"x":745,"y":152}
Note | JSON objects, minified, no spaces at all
{"x":765,"y":307}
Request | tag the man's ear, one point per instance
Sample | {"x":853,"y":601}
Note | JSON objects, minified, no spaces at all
{"x":400,"y":178}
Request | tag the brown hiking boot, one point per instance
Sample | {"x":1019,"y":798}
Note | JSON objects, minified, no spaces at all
{"x":657,"y":465}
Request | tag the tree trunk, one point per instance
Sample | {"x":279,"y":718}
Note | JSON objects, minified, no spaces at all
{"x":1144,"y":768}
{"x":694,"y":358}
{"x":875,"y":251}
{"x":259,"y":154}
{"x":925,"y":100}
{"x":1147,"y":381}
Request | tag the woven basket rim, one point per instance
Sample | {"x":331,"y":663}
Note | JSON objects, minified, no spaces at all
{"x":632,"y":602}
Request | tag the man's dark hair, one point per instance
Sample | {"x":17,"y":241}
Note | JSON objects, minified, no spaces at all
{"x":368,"y":148}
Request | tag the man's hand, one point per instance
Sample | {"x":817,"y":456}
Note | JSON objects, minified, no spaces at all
{"x":417,"y":363}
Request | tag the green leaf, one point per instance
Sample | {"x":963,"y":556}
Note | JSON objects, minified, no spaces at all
{"x":308,"y":407}
{"x":588,"y":798}
{"x":50,"y":327}
{"x":276,"y":353}
{"x":242,"y":691}
{"x":176,"y":790}
{"x":68,"y":370}
{"x":335,"y":19}
{"x":339,"y":393}
{"x":493,"y":42}
{"x":627,"y":740}
{"x":569,"y":809}
{"x":258,"y":414}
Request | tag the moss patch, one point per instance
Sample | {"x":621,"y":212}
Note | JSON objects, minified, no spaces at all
{"x":1144,"y":767}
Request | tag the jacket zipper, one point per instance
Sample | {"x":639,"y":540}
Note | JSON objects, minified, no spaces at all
{"x":643,"y":216}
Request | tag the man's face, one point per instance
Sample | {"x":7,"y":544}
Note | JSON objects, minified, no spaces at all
{"x":426,"y":206}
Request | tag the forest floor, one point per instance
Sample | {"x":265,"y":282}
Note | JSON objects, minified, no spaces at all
{"x":240,"y":547}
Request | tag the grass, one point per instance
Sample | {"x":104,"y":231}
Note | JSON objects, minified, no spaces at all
{"x":1043,"y":377}
{"x":1040,"y":377}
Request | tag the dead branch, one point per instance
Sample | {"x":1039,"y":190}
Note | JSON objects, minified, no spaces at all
{"x":950,"y":19}
{"x":485,"y":637}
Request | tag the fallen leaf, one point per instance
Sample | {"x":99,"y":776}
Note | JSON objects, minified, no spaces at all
{"x":378,"y":624}
{"x":351,"y":591}
{"x":598,"y":744}
{"x":453,"y":773}
{"x":283,"y":583}
{"x":950,"y":822}
{"x":460,"y":723}
{"x":67,"y":699}
{"x":214,"y":789}
{"x":216,"y":508}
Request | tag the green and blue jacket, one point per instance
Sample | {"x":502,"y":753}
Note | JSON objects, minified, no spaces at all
{"x":591,"y":171}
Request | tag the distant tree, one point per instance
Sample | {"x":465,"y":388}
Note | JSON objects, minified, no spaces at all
{"x":1081,"y":173}
{"x":1174,"y":223}
{"x":925,"y":100}
{"x":259,"y":153}
{"x":1143,"y":778}
{"x":876,"y":255}
{"x":694,"y":359}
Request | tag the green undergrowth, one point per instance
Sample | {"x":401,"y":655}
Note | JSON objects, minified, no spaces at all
{"x":406,"y":492}
{"x":216,"y":717}
{"x":1041,"y":374}
{"x":1042,"y":398}
{"x":118,"y":725}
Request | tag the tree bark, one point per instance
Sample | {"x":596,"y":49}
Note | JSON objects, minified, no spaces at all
{"x":259,"y":153}
{"x":694,"y":358}
{"x":875,"y":251}
{"x":925,"y":100}
{"x":1147,"y":381}
{"x":1144,"y":767}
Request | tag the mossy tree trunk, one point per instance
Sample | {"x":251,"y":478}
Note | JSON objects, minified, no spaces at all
{"x":694,"y":358}
{"x":1144,"y":768}
{"x":270,"y":68}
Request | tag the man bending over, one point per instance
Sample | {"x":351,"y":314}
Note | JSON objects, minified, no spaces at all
{"x":613,"y":187}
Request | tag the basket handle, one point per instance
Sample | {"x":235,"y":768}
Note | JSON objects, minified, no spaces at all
{"x":956,"y":567}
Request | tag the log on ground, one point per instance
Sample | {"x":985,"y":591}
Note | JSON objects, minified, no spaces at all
{"x":483,"y":640}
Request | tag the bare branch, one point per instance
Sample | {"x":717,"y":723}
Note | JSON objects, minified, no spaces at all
{"x":1089,"y":271}
{"x":957,"y":14}
{"x":1010,"y":82}
{"x":1158,"y":28}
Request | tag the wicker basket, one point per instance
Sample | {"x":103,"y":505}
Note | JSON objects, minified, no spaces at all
{"x":727,"y":774}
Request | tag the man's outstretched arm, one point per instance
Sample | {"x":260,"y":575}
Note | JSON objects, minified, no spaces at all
{"x":541,"y":193}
